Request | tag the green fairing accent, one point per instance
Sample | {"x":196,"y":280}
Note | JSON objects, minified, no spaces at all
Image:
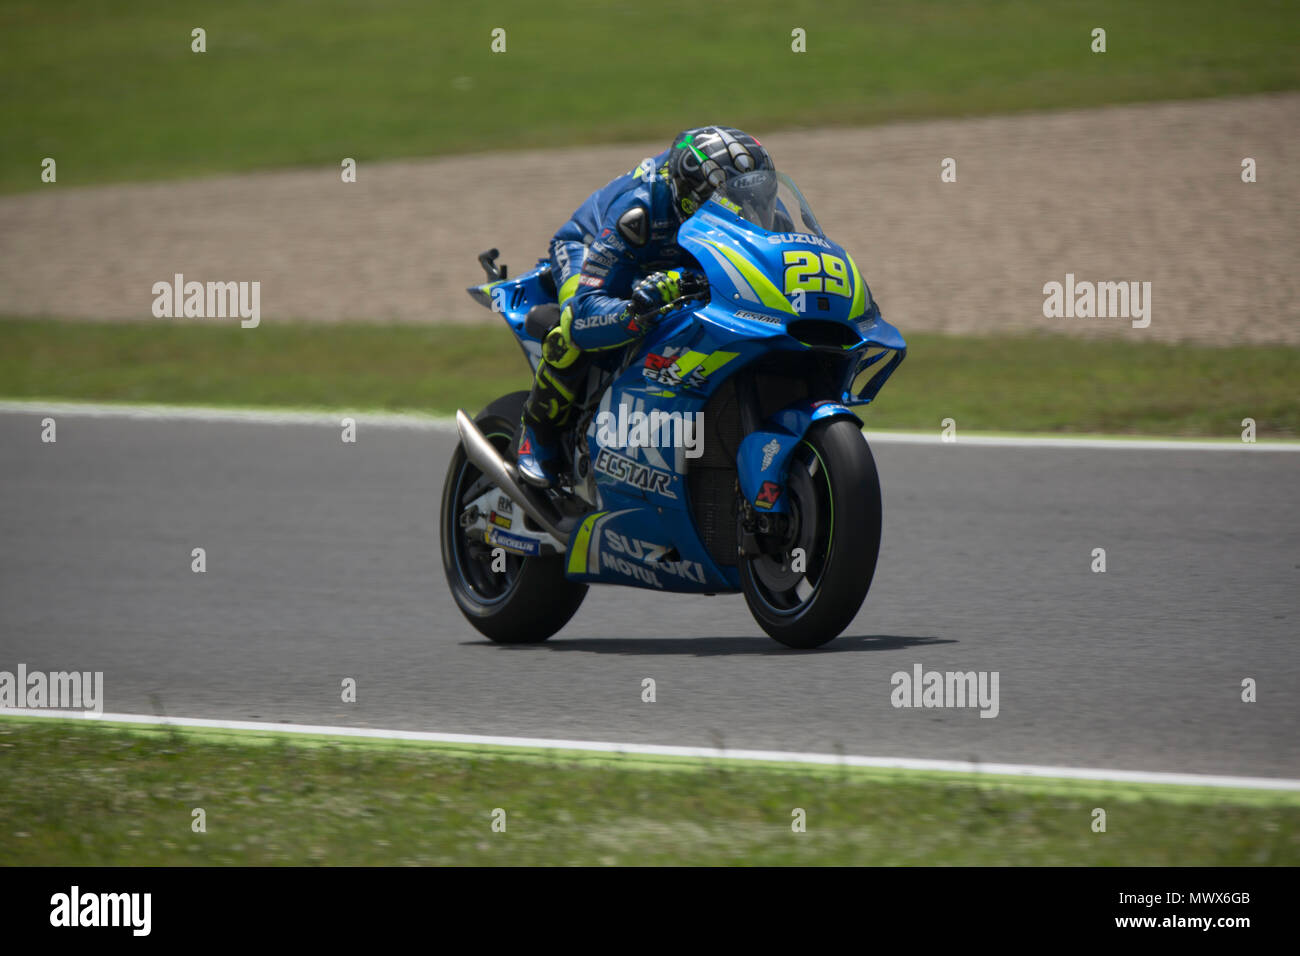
{"x":708,"y":363}
{"x":716,"y":360}
{"x":578,"y":553}
{"x":688,"y":361}
{"x":569,"y":288}
{"x":859,"y":305}
{"x":769,"y":294}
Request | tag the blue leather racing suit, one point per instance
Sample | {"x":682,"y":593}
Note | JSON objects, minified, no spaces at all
{"x":621,"y":233}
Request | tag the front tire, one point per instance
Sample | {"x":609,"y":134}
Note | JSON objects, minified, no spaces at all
{"x":531,"y":599}
{"x":834,"y":497}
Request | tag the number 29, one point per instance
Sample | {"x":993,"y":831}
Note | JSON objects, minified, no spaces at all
{"x":808,"y":272}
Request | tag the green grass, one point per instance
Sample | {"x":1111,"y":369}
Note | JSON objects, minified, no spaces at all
{"x":1007,"y":383}
{"x":74,"y":794}
{"x":421,"y":368}
{"x":113,"y":92}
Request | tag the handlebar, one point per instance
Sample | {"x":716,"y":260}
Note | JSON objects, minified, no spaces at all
{"x":488,"y":260}
{"x":679,"y":301}
{"x":632,"y":348}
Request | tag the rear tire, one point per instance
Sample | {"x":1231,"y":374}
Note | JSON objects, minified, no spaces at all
{"x":834,"y":491}
{"x":531,"y":599}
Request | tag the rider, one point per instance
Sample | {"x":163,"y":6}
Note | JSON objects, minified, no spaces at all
{"x":613,"y":264}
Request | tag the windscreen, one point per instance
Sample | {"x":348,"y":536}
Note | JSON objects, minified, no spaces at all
{"x":770,"y":200}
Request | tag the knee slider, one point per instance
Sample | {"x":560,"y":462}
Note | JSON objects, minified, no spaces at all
{"x":558,"y":349}
{"x":554,"y":347}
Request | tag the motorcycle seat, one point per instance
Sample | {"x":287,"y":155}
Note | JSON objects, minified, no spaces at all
{"x":541,"y":319}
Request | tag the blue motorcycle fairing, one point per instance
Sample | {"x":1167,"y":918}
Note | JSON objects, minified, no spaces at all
{"x":639,"y":477}
{"x":645,"y":533}
{"x":798,"y":417}
{"x":750,"y":256}
{"x":740,"y":258}
{"x":760,"y":462}
{"x":626,"y":545}
{"x":512,"y":298}
{"x":763,"y":455}
{"x":642,"y":484}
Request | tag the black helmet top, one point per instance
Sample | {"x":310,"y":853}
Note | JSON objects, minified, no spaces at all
{"x":702,"y":160}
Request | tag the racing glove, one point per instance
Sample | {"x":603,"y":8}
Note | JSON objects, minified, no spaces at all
{"x":658,"y":289}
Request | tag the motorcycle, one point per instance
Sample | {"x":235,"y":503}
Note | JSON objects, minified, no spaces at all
{"x":718,"y":453}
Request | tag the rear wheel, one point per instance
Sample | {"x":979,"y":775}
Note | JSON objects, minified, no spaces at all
{"x":528,"y":600}
{"x":811,"y":579}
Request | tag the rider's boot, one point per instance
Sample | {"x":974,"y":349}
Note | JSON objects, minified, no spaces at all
{"x":538,"y":454}
{"x":546,"y":412}
{"x":537,"y":457}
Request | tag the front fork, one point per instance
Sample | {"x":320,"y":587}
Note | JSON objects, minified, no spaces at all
{"x":776,"y":529}
{"x":762,"y":533}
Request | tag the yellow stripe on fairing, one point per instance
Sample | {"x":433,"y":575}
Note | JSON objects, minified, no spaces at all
{"x":768,"y":294}
{"x":578,"y":553}
{"x":716,"y":360}
{"x":688,"y":361}
{"x":859,"y":291}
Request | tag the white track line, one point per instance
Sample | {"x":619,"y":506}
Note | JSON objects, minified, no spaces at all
{"x":706,"y":753}
{"x":252,"y":416}
{"x":257,"y":416}
{"x":1032,"y":441}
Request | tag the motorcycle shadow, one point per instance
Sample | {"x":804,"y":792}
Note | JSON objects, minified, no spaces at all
{"x":716,"y":646}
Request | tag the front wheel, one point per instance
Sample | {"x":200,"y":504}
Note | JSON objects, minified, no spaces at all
{"x":811,"y":579}
{"x":526,"y":600}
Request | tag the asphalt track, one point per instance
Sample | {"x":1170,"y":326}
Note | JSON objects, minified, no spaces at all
{"x":322,"y":564}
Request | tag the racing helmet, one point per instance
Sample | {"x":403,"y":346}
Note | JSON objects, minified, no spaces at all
{"x":705,"y":159}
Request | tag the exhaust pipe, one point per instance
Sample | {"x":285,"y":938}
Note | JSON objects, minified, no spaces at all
{"x":489,"y":461}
